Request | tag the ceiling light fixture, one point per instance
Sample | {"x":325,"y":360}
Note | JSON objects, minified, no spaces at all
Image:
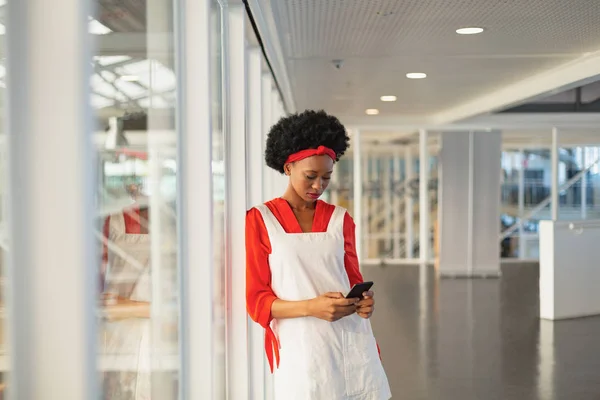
{"x":469,"y":31}
{"x":129,"y":78}
{"x":372,"y":111}
{"x":388,"y":98}
{"x":416,"y":75}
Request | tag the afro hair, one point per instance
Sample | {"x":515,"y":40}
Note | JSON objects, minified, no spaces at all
{"x":307,"y":130}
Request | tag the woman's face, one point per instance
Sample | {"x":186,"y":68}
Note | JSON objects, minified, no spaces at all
{"x":309,"y":177}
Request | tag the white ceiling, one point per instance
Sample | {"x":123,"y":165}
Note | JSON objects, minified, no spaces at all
{"x":382,"y":40}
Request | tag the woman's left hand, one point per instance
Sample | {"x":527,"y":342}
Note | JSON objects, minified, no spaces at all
{"x":366,"y":306}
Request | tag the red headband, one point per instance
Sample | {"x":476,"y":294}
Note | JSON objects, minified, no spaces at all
{"x":319,"y":151}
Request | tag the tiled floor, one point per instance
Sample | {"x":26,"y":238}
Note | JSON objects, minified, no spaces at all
{"x":467,"y":339}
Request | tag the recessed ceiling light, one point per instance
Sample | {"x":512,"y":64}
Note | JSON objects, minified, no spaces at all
{"x":469,"y":31}
{"x":129,"y":78}
{"x":372,"y":111}
{"x":388,"y":98}
{"x":416,"y":75}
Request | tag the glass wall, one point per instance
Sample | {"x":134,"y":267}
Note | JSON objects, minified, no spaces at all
{"x":390,"y":197}
{"x":139,"y":259}
{"x":134,"y":95}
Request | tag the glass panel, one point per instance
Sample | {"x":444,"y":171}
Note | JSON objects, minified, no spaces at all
{"x":218,"y":170}
{"x":136,"y":201}
{"x":3,"y":222}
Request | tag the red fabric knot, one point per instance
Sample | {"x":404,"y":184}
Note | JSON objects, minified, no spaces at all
{"x":271,"y":346}
{"x":319,"y":151}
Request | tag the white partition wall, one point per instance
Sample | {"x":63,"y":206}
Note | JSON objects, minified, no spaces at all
{"x":275,"y":182}
{"x":196,"y":204}
{"x":255,"y":196}
{"x":424,"y":211}
{"x":469,"y":204}
{"x":52,"y":275}
{"x":237,"y":204}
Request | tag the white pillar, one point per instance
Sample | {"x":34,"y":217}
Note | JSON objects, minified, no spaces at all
{"x":365,"y":201}
{"x":397,"y":179}
{"x":409,"y":234}
{"x":521,"y":201}
{"x":423,"y":196}
{"x":358,"y":191}
{"x":196,"y":201}
{"x":554,"y":189}
{"x":470,"y":204}
{"x":160,"y":263}
{"x":53,"y":268}
{"x":374,"y":205}
{"x":279,"y":180}
{"x":255,"y":195}
{"x":583,"y":184}
{"x":236,"y":178}
{"x":164,"y":267}
{"x":388,"y":201}
{"x":269,"y":177}
{"x":267,"y":122}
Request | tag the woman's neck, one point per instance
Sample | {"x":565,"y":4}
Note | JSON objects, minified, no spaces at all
{"x":296,"y":202}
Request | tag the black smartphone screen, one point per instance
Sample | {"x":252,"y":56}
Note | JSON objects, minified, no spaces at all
{"x":358,"y":290}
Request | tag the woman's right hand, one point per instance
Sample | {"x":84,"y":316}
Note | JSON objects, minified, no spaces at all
{"x":331,"y":306}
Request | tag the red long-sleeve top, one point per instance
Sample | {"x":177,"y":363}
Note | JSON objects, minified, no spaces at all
{"x":259,"y":294}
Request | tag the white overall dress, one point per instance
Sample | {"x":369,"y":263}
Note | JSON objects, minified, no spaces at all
{"x":320,"y":360}
{"x":126,"y":343}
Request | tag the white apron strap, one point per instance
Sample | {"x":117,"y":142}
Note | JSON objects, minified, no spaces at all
{"x":273,"y":226}
{"x":117,"y":223}
{"x":336,"y":223}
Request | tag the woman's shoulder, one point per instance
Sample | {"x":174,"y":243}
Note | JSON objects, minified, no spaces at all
{"x":331,"y":207}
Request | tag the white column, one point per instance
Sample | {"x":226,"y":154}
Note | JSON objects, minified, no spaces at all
{"x":397,"y":181}
{"x":470,"y":202}
{"x":163,"y":267}
{"x":53,"y":268}
{"x":267,"y":122}
{"x":469,"y":226}
{"x":237,"y":322}
{"x":423,"y":196}
{"x":375,"y":204}
{"x":255,"y":194}
{"x":583,"y":184}
{"x":554,"y":189}
{"x":268,"y":185}
{"x":195,"y":201}
{"x":409,"y":235}
{"x":521,"y":200}
{"x":358,"y":187}
{"x":279,"y":181}
{"x":388,"y":199}
{"x":366,"y":202}
{"x":159,"y":263}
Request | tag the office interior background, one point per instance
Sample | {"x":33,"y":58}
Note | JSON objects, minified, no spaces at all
{"x":473,"y":177}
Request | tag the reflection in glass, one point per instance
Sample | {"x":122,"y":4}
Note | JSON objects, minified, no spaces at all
{"x":218,"y":165}
{"x":133,"y":94}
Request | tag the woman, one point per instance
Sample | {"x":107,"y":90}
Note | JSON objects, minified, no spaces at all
{"x":126,"y":296}
{"x":301,"y":259}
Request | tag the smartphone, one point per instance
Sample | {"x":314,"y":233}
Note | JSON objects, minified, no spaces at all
{"x":358,"y":290}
